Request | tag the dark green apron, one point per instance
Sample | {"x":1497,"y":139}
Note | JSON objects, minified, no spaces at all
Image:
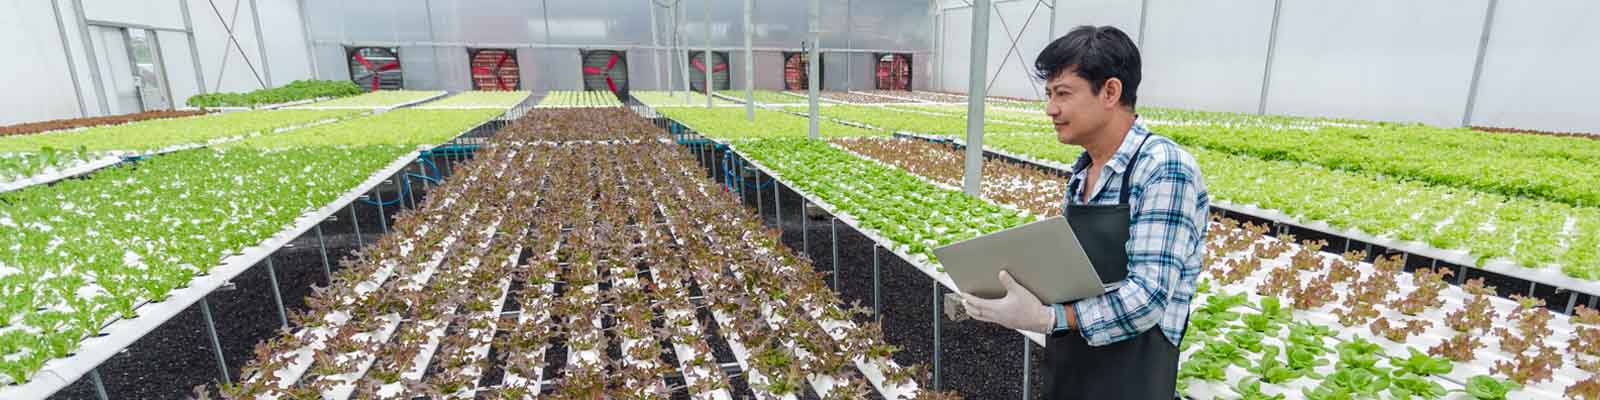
{"x":1145,"y":367}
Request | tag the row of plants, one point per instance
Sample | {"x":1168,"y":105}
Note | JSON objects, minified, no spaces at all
{"x":763,"y":96}
{"x":1532,"y":166}
{"x":378,"y":99}
{"x":481,"y":99}
{"x":579,"y":124}
{"x":1393,"y":324}
{"x":845,"y":97}
{"x":730,"y":123}
{"x":294,"y":91}
{"x":392,"y":291}
{"x":1536,"y":167}
{"x":1488,"y":226}
{"x":581,"y":98}
{"x":165,"y":133}
{"x":640,"y":248}
{"x":1531,"y":233}
{"x":406,"y":127}
{"x":86,"y":252}
{"x":918,"y":95}
{"x":901,"y":120}
{"x":662,"y":98}
{"x":899,"y":206}
{"x":1029,"y":188}
{"x":75,"y":123}
{"x":17,"y":167}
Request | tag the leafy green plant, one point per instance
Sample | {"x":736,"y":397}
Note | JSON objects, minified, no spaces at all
{"x":1421,"y":364}
{"x":1484,"y":387}
{"x":297,"y":90}
{"x":480,"y":99}
{"x":377,"y":99}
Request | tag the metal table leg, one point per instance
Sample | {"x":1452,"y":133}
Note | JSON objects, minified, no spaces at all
{"x":216,"y":344}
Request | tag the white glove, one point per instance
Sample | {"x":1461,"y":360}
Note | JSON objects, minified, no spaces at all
{"x":1019,"y":309}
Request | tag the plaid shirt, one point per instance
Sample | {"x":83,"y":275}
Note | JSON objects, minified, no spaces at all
{"x":1165,"y":244}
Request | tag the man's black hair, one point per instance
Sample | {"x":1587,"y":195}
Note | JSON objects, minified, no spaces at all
{"x":1096,"y":54}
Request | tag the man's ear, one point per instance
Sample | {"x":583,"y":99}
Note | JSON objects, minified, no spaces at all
{"x":1111,"y":93}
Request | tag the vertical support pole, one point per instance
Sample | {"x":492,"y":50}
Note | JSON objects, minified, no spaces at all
{"x":972,"y":178}
{"x":411,"y":192}
{"x":849,"y":58}
{"x":94,"y":61}
{"x":1572,"y":301}
{"x":655,"y":43}
{"x":261,"y":43}
{"x":72,"y":65}
{"x":216,"y":344}
{"x":1477,"y":66}
{"x":833,"y":233}
{"x":1272,"y":50}
{"x":805,"y":237}
{"x":937,"y":303}
{"x":814,"y":67}
{"x":705,"y":57}
{"x":322,"y":247}
{"x":305,"y":29}
{"x":1027,"y":368}
{"x":356,"y":224}
{"x":277,"y":294}
{"x":99,"y":385}
{"x":749,"y":66}
{"x":777,"y":207}
{"x":1050,"y":38}
{"x":1144,"y":8}
{"x":383,"y":220}
{"x":678,"y":32}
{"x":877,"y":304}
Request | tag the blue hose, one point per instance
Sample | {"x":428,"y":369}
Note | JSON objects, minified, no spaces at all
{"x":728,"y":179}
{"x":426,"y":160}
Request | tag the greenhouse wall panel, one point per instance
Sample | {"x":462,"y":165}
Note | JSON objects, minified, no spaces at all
{"x":180,"y":65}
{"x":44,"y":72}
{"x":1538,"y":72}
{"x":1214,"y":66}
{"x":1333,"y":59}
{"x":285,"y":41}
{"x":555,"y":69}
{"x":955,"y":44}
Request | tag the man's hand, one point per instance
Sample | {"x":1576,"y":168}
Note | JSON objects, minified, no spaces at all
{"x":1019,"y":309}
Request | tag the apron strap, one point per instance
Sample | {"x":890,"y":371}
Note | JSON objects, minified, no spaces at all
{"x":1072,"y":189}
{"x":1127,"y":175}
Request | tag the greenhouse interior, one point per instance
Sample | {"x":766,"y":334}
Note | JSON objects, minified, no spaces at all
{"x":806,"y":199}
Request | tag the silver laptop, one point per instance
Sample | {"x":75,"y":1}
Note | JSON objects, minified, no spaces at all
{"x":1043,"y":256}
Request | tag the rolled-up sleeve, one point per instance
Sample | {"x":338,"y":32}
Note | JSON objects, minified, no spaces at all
{"x":1166,"y":230}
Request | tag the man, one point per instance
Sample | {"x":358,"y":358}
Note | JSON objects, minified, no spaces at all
{"x":1139,"y":207}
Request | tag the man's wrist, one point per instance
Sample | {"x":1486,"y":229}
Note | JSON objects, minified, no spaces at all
{"x":1061,"y":321}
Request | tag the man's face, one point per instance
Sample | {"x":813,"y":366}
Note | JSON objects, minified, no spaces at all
{"x":1076,"y":111}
